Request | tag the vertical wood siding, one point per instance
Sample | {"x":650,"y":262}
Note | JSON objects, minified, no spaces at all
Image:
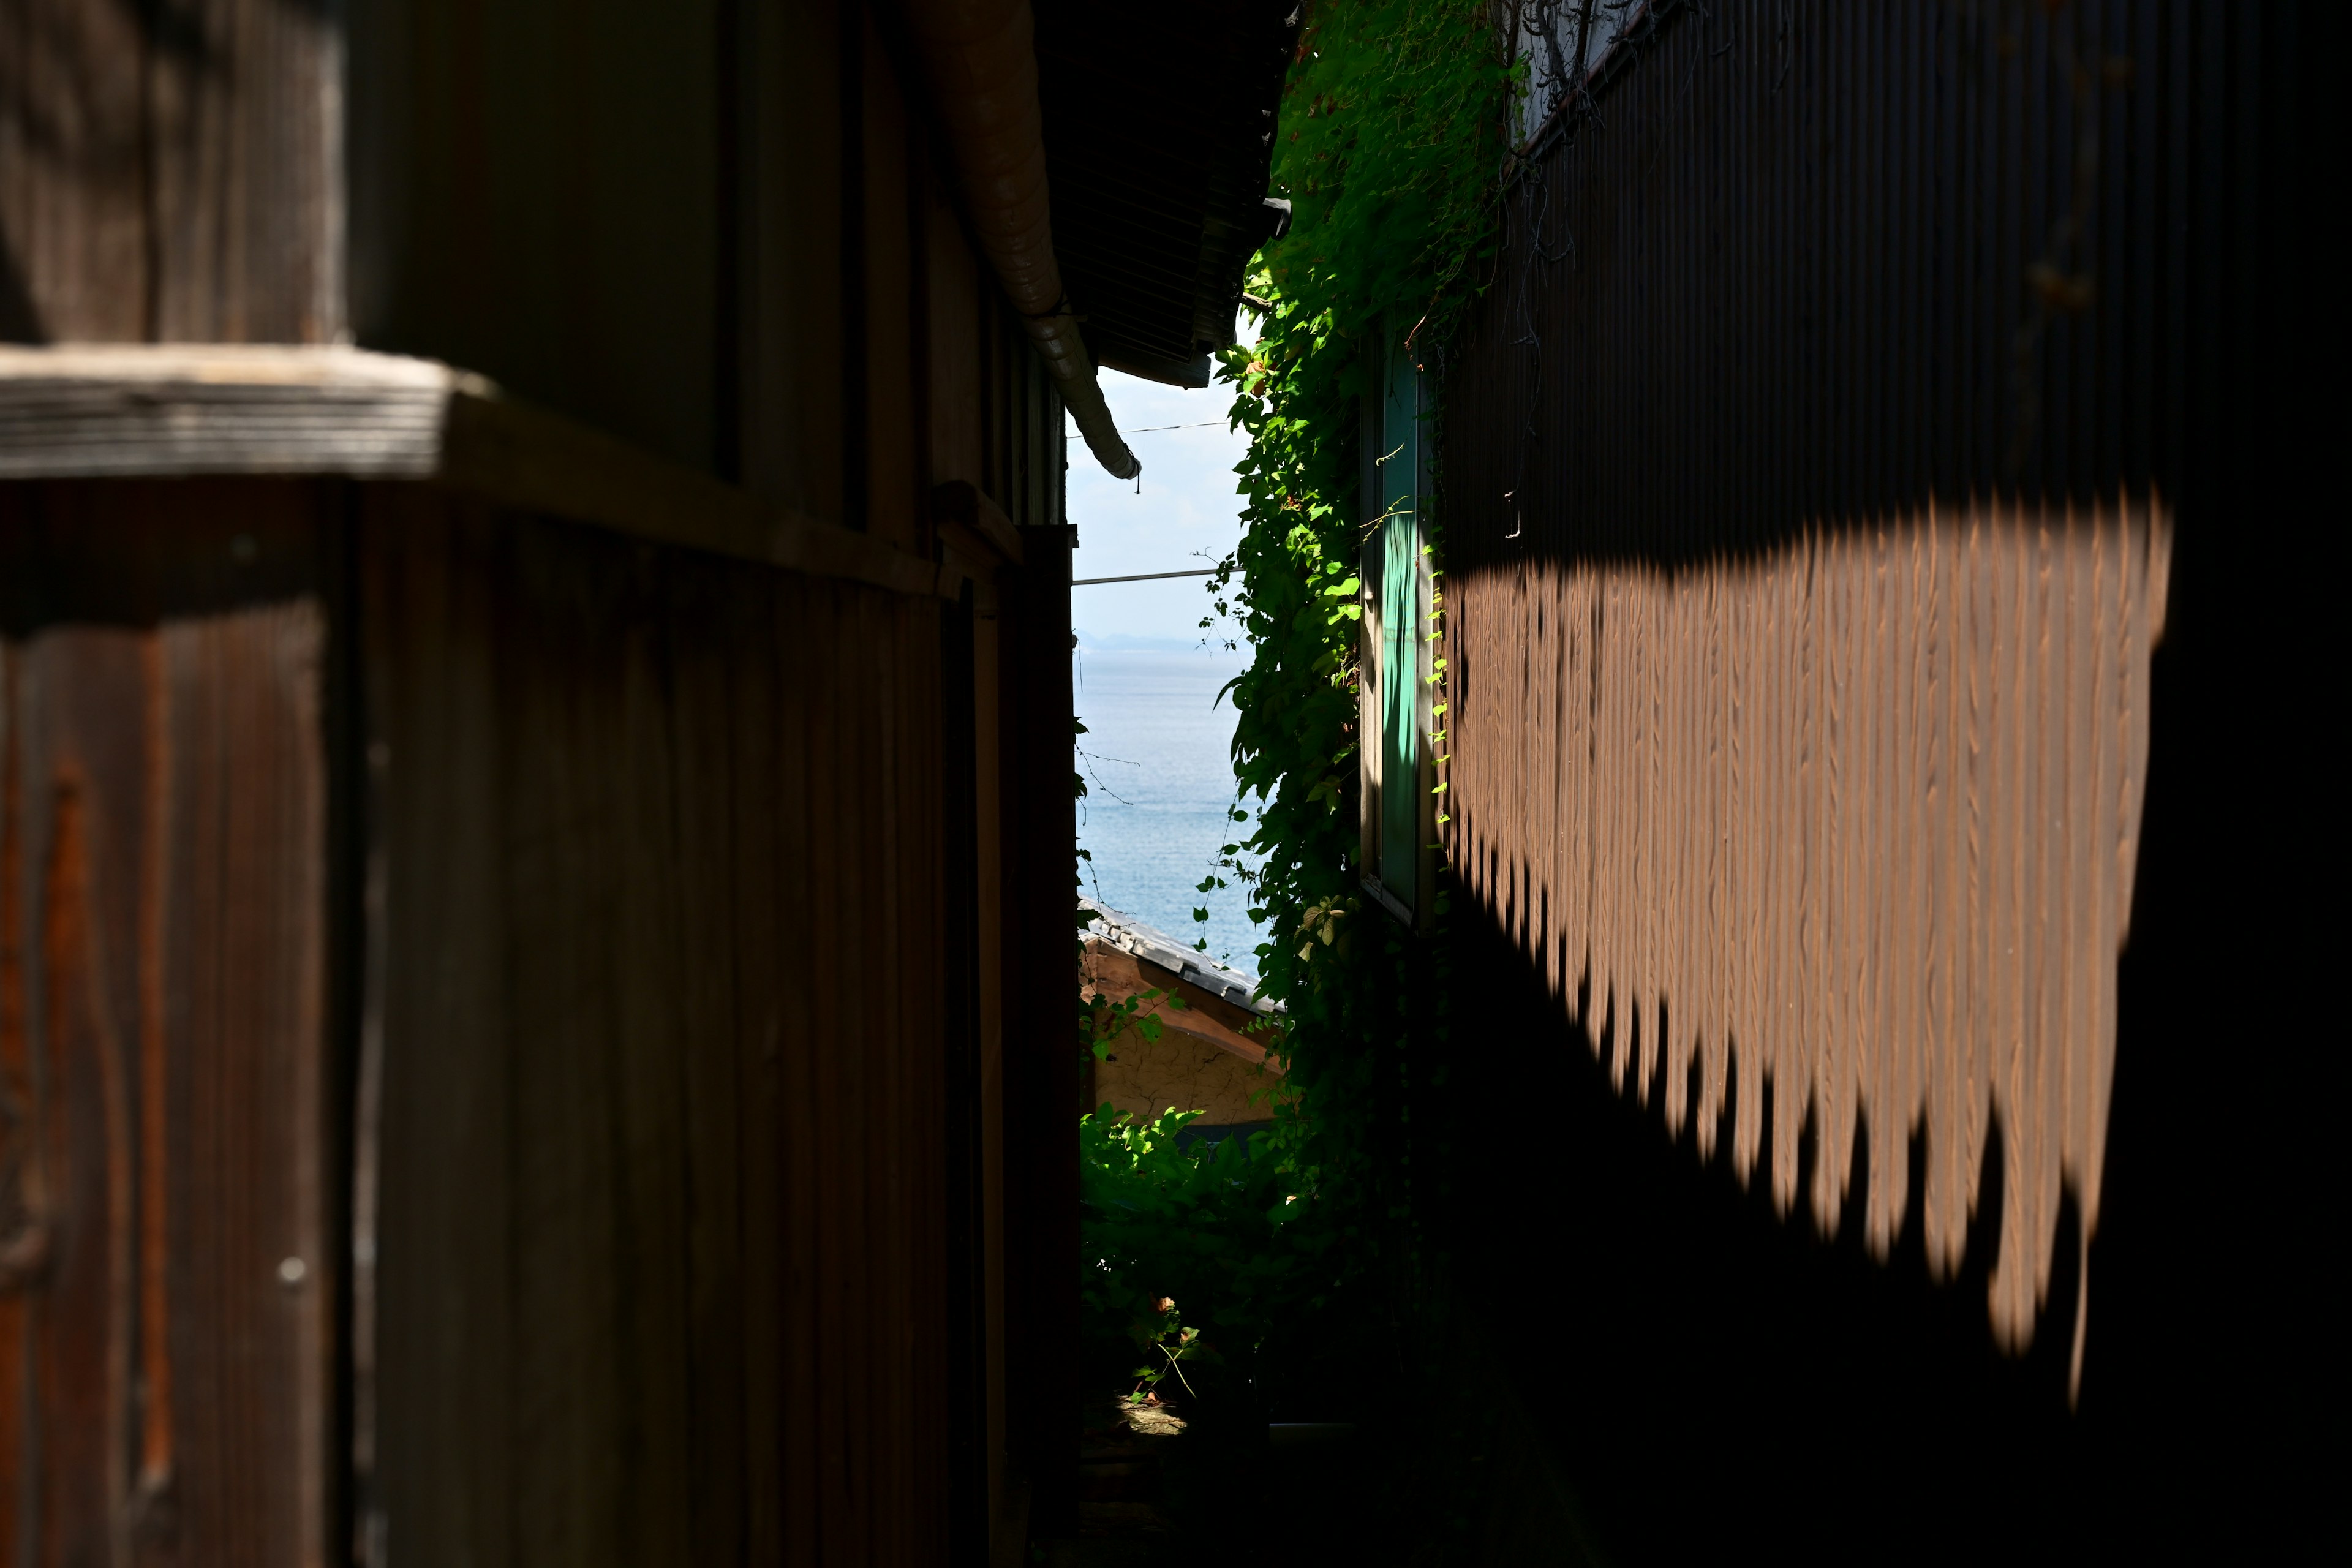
{"x":170,"y":174}
{"x":1806,"y":489}
{"x":168,"y":1273}
{"x":662,"y":1225}
{"x":639,"y":1029}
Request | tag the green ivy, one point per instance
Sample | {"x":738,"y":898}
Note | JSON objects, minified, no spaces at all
{"x":1195,"y":1258}
{"x":1392,"y":153}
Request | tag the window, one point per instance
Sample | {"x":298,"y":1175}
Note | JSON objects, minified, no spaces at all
{"x":1399,"y":828}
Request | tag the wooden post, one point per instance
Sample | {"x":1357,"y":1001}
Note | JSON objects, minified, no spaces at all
{"x":1041,"y":1049}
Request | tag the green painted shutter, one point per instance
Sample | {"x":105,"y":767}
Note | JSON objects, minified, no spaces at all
{"x":1400,"y":652}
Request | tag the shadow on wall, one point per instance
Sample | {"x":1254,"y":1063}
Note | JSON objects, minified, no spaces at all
{"x":1868,"y":806}
{"x":19,"y":321}
{"x":1778,"y":296}
{"x":1719,"y":1378}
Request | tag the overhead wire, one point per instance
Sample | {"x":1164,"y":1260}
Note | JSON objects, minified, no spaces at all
{"x":1146,"y":429}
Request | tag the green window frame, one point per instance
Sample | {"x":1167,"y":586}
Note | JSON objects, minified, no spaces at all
{"x":1399,"y":826}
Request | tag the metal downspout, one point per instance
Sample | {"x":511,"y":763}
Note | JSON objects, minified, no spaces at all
{"x":982,"y":61}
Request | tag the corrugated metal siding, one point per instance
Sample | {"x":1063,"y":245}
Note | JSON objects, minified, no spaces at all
{"x":1843,"y":347}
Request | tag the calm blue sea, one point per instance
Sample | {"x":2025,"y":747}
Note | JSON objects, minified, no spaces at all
{"x":1157,"y":763}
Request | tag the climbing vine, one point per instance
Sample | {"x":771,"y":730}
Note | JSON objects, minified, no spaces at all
{"x":1392,"y":151}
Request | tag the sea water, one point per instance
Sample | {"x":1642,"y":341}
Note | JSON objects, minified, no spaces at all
{"x":1157,"y":759}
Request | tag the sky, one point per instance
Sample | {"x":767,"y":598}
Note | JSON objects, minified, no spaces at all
{"x":1157,"y":756}
{"x":1157,"y":753}
{"x":1187,"y":517}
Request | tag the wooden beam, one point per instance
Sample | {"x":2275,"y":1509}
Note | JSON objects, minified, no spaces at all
{"x":186,"y":410}
{"x":965,"y":503}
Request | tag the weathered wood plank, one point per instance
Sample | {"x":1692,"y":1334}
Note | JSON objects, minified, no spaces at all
{"x":802,"y":1012}
{"x":163,"y":990}
{"x":444,"y":1437}
{"x":1040,"y":1080}
{"x":692,"y":795}
{"x":892,"y":335}
{"x":87,"y":694}
{"x":765,"y":985}
{"x":958,"y":504}
{"x":97,"y":412}
{"x":242,"y":983}
{"x":536,"y":195}
{"x":244,"y":122}
{"x":23,"y":1227}
{"x":170,"y":172}
{"x":73,"y":231}
{"x":958,"y":294}
{"x":645,"y":924}
{"x":100,"y":413}
{"x":836,"y":926}
{"x":584,"y":1402}
{"x":711,"y":613}
{"x":792,"y":304}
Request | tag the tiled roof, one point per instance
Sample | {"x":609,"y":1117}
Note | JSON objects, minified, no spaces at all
{"x":1193,"y":966}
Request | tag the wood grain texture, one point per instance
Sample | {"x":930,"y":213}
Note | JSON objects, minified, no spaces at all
{"x":99,"y":413}
{"x":536,"y":195}
{"x":648,"y":1224}
{"x":170,"y":174}
{"x":1041,"y":1085}
{"x":961,"y":298}
{"x":894,"y":336}
{"x":164,"y":1109}
{"x":90,"y":412}
{"x":662,"y":1208}
{"x":1858,"y":817}
{"x":73,"y":224}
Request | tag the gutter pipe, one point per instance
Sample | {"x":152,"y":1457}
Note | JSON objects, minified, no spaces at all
{"x":980,"y":58}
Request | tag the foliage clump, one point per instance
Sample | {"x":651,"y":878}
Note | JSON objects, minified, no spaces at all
{"x":1392,"y":151}
{"x":1224,"y":1262}
{"x":1196,"y":1256}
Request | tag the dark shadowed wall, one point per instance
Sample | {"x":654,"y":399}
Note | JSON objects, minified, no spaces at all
{"x":523,"y":1040}
{"x":1845,"y":377}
